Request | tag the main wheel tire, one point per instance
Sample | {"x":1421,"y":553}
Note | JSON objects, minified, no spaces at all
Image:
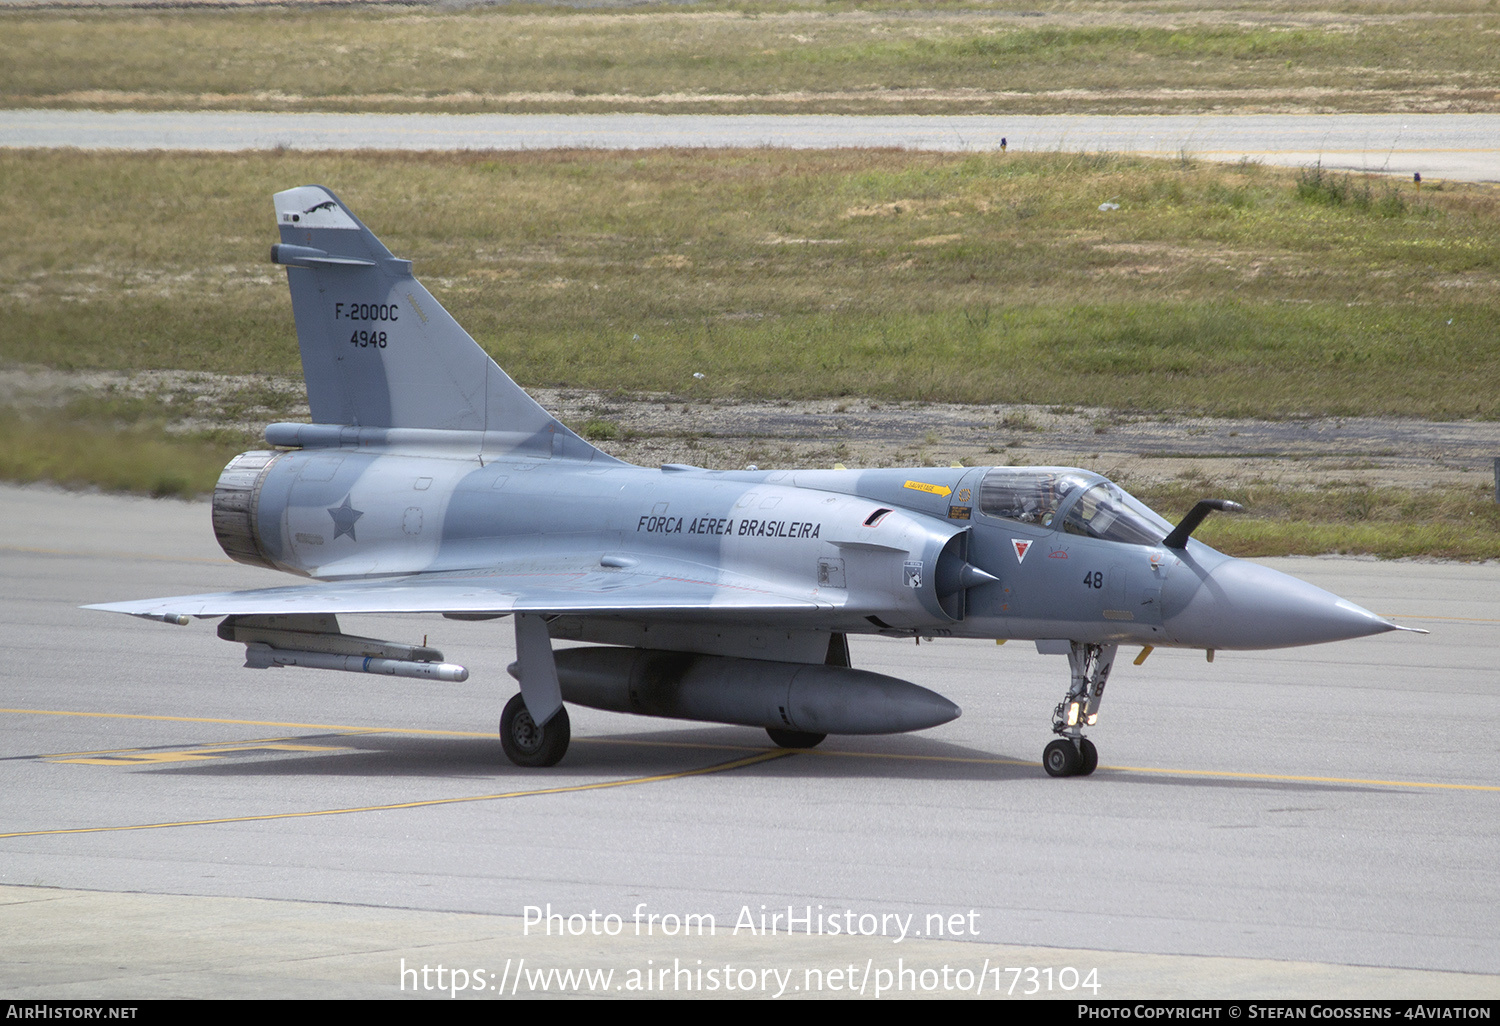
{"x":1088,"y":757}
{"x":795,"y":738}
{"x":1060,"y":758}
{"x":525,"y":743}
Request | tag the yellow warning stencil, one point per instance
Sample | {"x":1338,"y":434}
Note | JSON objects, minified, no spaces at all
{"x":923,"y":486}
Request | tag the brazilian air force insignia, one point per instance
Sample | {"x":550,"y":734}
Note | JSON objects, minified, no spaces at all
{"x":1022,"y":545}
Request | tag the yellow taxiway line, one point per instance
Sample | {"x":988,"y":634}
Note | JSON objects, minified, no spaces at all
{"x":762,"y":755}
{"x":339,"y":728}
{"x":567,"y":789}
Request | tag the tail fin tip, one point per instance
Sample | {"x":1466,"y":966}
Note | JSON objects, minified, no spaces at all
{"x":378,"y":350}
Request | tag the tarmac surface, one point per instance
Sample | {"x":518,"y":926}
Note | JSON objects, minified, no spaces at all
{"x":1306,"y":823}
{"x":1456,"y":146}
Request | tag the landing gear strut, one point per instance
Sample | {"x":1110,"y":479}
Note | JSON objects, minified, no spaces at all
{"x":1072,"y":754}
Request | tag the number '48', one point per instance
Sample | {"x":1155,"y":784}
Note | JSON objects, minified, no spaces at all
{"x":1094,"y":580}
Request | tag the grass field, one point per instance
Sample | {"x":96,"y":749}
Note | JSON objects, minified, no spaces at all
{"x":1015,"y":56}
{"x":87,"y":451}
{"x":1444,"y":523}
{"x":1237,"y":291}
{"x":1228,"y":290}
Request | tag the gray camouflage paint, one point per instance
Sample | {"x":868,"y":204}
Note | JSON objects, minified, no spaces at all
{"x":431,"y":482}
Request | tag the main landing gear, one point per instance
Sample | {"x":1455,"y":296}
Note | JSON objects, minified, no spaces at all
{"x":525,"y":743}
{"x":1072,"y":754}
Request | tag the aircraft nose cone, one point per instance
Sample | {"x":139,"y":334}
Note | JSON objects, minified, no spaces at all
{"x":1244,"y":605}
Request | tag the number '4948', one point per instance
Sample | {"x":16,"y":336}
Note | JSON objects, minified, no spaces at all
{"x":366,"y":339}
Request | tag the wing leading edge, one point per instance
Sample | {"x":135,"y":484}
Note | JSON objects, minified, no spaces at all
{"x":563,"y":587}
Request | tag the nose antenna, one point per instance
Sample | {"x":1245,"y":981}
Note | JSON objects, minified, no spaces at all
{"x":1180,"y":534}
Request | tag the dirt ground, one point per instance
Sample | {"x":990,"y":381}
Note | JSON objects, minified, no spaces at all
{"x":860,"y":433}
{"x":726,"y":433}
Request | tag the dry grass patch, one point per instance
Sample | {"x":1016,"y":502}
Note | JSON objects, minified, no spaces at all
{"x":1210,"y":289}
{"x":965,"y":57}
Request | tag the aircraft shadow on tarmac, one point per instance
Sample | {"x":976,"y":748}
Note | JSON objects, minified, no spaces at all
{"x":676,"y":752}
{"x":623,"y":755}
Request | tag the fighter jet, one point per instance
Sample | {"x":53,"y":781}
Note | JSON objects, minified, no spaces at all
{"x":430,"y":482}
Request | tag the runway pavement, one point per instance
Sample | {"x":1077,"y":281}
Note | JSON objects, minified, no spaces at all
{"x":1457,"y":146}
{"x":1314,"y":823}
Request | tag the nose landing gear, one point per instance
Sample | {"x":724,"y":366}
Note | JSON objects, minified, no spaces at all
{"x":1072,"y":754}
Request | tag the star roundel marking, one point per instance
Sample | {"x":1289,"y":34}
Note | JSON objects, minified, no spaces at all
{"x":343,"y":519}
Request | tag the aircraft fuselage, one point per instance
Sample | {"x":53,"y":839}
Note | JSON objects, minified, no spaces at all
{"x":871,"y":551}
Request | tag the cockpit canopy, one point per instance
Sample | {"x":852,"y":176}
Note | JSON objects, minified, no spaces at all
{"x":1074,"y":501}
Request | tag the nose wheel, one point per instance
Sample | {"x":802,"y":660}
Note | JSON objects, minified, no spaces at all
{"x":1072,"y":754}
{"x":1064,"y":758}
{"x":1060,"y":759}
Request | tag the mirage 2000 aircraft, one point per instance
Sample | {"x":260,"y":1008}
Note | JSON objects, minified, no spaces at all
{"x":430,"y":482}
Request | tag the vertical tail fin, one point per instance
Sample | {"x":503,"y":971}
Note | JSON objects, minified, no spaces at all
{"x":378,"y":351}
